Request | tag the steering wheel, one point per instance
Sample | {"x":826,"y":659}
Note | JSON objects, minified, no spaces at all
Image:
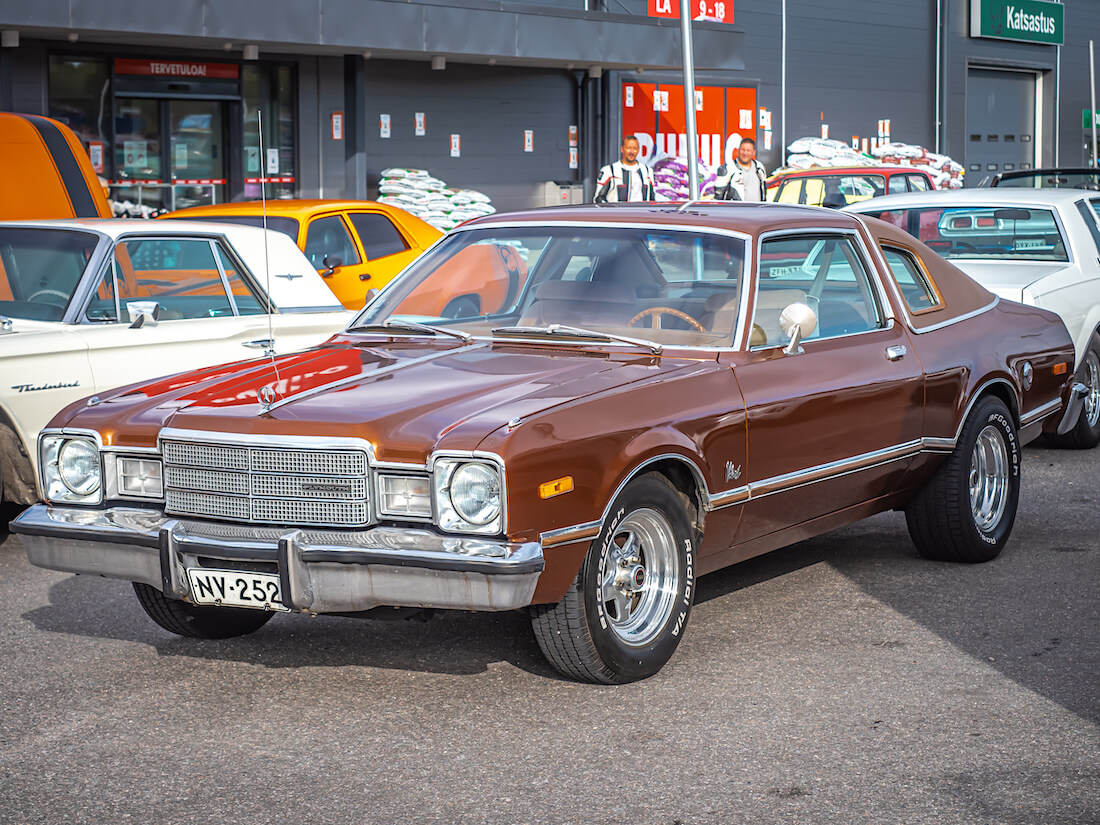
{"x":656,"y":312}
{"x":55,"y":293}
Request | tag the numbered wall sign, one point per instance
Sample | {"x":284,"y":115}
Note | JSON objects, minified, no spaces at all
{"x":456,"y":146}
{"x":528,"y":140}
{"x":383,"y":126}
{"x":419,"y":130}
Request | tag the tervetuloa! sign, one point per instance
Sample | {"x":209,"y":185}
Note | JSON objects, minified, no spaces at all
{"x":1032,"y":21}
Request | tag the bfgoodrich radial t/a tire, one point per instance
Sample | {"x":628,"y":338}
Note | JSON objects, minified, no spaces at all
{"x":198,"y":621}
{"x":966,"y":510}
{"x":626,"y":611}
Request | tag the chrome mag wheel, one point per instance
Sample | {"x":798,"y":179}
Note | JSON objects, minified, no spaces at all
{"x":989,"y":478}
{"x":640,"y":577}
{"x":1090,"y":412}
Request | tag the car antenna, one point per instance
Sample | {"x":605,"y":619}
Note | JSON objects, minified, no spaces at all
{"x":267,"y":399}
{"x":270,"y":350}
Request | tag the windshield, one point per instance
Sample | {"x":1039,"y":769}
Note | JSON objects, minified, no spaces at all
{"x":982,"y":232}
{"x":665,"y":286}
{"x":1047,"y":179}
{"x":40,"y":270}
{"x":288,"y":226}
{"x":832,"y":190}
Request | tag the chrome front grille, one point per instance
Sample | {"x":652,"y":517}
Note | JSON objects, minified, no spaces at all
{"x":272,"y":485}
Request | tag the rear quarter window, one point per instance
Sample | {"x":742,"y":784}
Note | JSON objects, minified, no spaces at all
{"x":913,"y":281}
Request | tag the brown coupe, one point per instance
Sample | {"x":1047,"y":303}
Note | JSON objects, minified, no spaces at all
{"x":643,"y":394}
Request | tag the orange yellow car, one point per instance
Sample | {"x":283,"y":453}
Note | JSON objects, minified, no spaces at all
{"x":46,"y":172}
{"x":354,"y":245}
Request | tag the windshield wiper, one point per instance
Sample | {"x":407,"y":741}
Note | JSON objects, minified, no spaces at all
{"x":392,"y":325}
{"x":578,"y":332}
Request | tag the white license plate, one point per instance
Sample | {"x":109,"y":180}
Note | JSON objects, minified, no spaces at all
{"x":235,"y":588}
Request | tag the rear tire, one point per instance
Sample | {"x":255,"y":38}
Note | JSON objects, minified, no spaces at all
{"x":966,"y":510}
{"x":198,"y":621}
{"x":1086,"y":432}
{"x":625,"y":613}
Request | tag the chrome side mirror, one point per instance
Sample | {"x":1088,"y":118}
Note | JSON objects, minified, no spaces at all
{"x":143,"y":313}
{"x":797,"y":321}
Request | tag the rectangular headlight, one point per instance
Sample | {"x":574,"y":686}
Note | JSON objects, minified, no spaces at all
{"x":404,"y":497}
{"x":72,"y":470}
{"x":140,"y":477}
{"x":469,"y":495}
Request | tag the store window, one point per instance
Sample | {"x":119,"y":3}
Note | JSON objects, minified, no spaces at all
{"x":269,"y":89}
{"x":79,"y":97}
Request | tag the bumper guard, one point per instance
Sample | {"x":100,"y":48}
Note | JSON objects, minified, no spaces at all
{"x":320,"y":571}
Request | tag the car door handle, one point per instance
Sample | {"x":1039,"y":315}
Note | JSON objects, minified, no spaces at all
{"x":260,"y":343}
{"x":895,"y":353}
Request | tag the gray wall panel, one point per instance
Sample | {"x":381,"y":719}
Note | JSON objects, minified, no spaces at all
{"x":257,"y":21}
{"x":490,"y":107}
{"x":477,"y":31}
{"x":330,"y":98}
{"x":184,"y":17}
{"x":48,"y":13}
{"x":373,"y":24}
{"x":309,"y":137}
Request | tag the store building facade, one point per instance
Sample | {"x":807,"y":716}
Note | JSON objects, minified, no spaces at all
{"x":525,"y":101}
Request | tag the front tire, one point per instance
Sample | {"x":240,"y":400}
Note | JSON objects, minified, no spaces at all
{"x":1086,"y":432}
{"x":625,"y":613}
{"x":198,"y":621}
{"x":965,"y":512}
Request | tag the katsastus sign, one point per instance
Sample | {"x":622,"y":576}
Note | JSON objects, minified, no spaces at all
{"x":1032,"y":21}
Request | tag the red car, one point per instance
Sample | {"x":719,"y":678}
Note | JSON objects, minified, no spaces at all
{"x":843,"y":185}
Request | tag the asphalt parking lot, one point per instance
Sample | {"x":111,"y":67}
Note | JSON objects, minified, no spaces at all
{"x":842,"y":680}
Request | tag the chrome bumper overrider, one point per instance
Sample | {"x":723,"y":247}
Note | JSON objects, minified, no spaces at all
{"x":320,"y":571}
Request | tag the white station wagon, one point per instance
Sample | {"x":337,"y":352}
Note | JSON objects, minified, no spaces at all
{"x":1035,"y":246}
{"x":90,"y":305}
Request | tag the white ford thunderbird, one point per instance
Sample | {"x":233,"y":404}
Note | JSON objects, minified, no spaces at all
{"x":1034,"y":246}
{"x":87,"y":306}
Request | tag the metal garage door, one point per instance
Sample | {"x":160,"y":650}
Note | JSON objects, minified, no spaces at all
{"x":1000,"y":123}
{"x":489,"y":108}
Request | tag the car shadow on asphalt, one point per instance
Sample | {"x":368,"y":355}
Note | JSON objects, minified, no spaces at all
{"x":1030,"y":614}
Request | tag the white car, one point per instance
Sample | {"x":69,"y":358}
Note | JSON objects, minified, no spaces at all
{"x":1034,"y":246}
{"x":90,"y":305}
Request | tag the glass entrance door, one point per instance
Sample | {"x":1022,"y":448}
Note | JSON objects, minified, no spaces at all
{"x":139,"y":184}
{"x":196,"y":152}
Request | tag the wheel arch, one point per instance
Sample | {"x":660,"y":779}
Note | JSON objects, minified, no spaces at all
{"x":682,"y":472}
{"x":17,"y":469}
{"x":1000,"y":388}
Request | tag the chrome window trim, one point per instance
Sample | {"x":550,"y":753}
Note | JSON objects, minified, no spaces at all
{"x":224,"y":278}
{"x":884,"y":306}
{"x":880,"y":258}
{"x":604,"y":224}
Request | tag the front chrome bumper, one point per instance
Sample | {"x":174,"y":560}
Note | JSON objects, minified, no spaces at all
{"x":320,"y":571}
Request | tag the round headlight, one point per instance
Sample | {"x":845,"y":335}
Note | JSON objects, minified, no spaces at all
{"x":475,"y":493}
{"x":78,"y":466}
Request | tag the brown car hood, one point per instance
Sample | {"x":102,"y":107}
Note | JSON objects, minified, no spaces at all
{"x":406,"y":398}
